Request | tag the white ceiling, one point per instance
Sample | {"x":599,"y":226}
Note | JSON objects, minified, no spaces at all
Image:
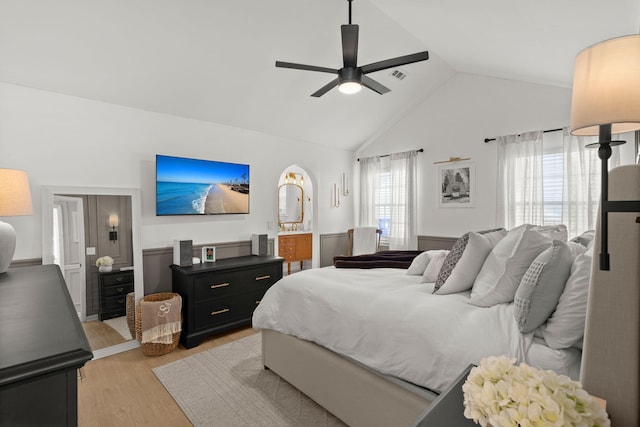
{"x":214,"y":60}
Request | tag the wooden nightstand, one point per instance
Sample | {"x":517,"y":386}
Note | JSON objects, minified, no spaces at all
{"x":448,"y":408}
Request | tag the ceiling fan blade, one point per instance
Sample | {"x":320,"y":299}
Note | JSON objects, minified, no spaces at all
{"x":374,"y":85}
{"x":395,"y":62}
{"x":305,"y":67}
{"x":349,"y":45}
{"x":326,"y":88}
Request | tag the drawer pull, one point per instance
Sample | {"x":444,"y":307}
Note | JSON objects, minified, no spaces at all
{"x":120,"y":290}
{"x":263,"y":277}
{"x":224,"y":310}
{"x":221,"y":285}
{"x":119,"y":279}
{"x":120,"y":301}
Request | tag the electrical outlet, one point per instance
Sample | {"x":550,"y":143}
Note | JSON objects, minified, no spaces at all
{"x":91,"y":251}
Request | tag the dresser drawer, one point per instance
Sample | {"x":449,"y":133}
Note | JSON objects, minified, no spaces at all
{"x":286,"y":240}
{"x":220,"y":311}
{"x":116,"y":303}
{"x":118,"y":278}
{"x":226,"y":284}
{"x":286,"y":250}
{"x":116,"y":290}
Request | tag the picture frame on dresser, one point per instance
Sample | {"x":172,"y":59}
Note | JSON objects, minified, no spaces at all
{"x":208,"y":254}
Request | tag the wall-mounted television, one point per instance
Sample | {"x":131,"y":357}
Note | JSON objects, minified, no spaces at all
{"x":200,"y":187}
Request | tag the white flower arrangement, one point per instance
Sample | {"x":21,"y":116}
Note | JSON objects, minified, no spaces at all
{"x":104,"y":260}
{"x":498,"y":393}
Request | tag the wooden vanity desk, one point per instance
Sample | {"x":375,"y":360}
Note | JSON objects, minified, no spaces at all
{"x":295,"y":247}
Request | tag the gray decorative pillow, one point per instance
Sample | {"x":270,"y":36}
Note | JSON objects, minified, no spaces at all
{"x":541,"y":286}
{"x":454,"y":256}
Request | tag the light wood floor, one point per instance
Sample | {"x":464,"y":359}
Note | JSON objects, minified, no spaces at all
{"x":101,"y":335}
{"x":121,"y":390}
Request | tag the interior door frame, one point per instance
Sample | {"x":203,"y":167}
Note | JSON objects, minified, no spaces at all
{"x":82,"y":250}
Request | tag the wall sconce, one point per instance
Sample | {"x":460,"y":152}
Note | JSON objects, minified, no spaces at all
{"x":294,"y":178}
{"x":345,"y":190}
{"x":336,"y":196}
{"x":113,"y":223}
{"x":606,"y":87}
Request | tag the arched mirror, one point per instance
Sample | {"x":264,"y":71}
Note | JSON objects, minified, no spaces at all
{"x":79,"y":225}
{"x":290,"y":204}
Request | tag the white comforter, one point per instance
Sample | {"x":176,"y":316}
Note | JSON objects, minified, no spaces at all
{"x":389,"y":321}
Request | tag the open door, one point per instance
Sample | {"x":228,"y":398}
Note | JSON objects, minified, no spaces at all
{"x":69,"y":247}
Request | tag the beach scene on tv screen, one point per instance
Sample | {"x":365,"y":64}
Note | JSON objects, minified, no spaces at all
{"x":200,"y":187}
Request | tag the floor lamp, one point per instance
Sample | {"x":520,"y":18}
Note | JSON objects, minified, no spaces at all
{"x":606,"y":101}
{"x":15,"y":199}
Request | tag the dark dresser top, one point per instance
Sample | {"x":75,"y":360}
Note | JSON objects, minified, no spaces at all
{"x":228,"y":263}
{"x":40,"y":331}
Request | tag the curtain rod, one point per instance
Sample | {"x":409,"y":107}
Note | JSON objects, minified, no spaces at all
{"x":486,"y":140}
{"x":420,"y":150}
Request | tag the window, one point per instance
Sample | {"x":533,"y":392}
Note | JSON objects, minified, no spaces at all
{"x":388,"y":198}
{"x":550,"y":178}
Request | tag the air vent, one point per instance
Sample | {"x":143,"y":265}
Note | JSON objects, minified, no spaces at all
{"x":400,"y":75}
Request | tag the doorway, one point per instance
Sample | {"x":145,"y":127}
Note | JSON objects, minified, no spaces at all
{"x":69,"y":248}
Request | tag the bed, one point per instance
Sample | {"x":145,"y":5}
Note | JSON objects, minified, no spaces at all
{"x":375,"y":345}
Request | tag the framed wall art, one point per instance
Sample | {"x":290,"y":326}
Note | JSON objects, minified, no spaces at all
{"x":456,"y":185}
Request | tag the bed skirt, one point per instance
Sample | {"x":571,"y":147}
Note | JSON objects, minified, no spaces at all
{"x":357,"y":395}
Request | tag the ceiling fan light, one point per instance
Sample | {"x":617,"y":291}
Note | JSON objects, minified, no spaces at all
{"x":350,"y":88}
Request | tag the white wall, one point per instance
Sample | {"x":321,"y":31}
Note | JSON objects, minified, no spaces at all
{"x":453,"y":122}
{"x":64,"y":140}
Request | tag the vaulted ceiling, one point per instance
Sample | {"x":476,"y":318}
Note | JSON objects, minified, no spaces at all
{"x":214,"y":60}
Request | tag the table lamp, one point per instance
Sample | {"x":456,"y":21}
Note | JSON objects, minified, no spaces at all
{"x":15,"y":199}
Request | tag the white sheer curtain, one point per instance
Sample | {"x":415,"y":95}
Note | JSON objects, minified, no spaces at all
{"x":370,"y":170}
{"x":388,"y":198}
{"x":520,"y":187}
{"x":403,"y":228}
{"x":533,"y":189}
{"x":581,"y":187}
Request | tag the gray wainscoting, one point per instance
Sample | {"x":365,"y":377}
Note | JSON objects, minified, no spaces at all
{"x":157,"y":274}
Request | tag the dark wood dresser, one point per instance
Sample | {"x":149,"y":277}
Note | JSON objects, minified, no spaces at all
{"x":42,"y":345}
{"x":219,"y":296}
{"x":114,"y":287}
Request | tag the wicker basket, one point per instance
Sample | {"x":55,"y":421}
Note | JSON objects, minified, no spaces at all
{"x":131,"y":313}
{"x":155,"y":349}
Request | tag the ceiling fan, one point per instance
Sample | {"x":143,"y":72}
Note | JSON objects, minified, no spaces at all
{"x":351,"y":78}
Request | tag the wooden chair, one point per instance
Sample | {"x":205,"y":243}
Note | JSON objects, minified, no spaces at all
{"x":350,"y":237}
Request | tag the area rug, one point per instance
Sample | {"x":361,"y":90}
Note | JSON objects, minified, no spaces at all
{"x":120,"y":325}
{"x":228,"y":386}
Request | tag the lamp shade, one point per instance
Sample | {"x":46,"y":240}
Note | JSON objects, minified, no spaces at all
{"x":15,"y":196}
{"x":606,"y":87}
{"x":113,"y":220}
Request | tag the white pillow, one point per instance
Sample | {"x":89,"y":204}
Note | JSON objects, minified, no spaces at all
{"x":506,"y":264}
{"x":466,"y":269}
{"x":431,"y":272}
{"x":553,"y":232}
{"x":419,"y":263}
{"x":565,"y":327}
{"x":541,"y":286}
